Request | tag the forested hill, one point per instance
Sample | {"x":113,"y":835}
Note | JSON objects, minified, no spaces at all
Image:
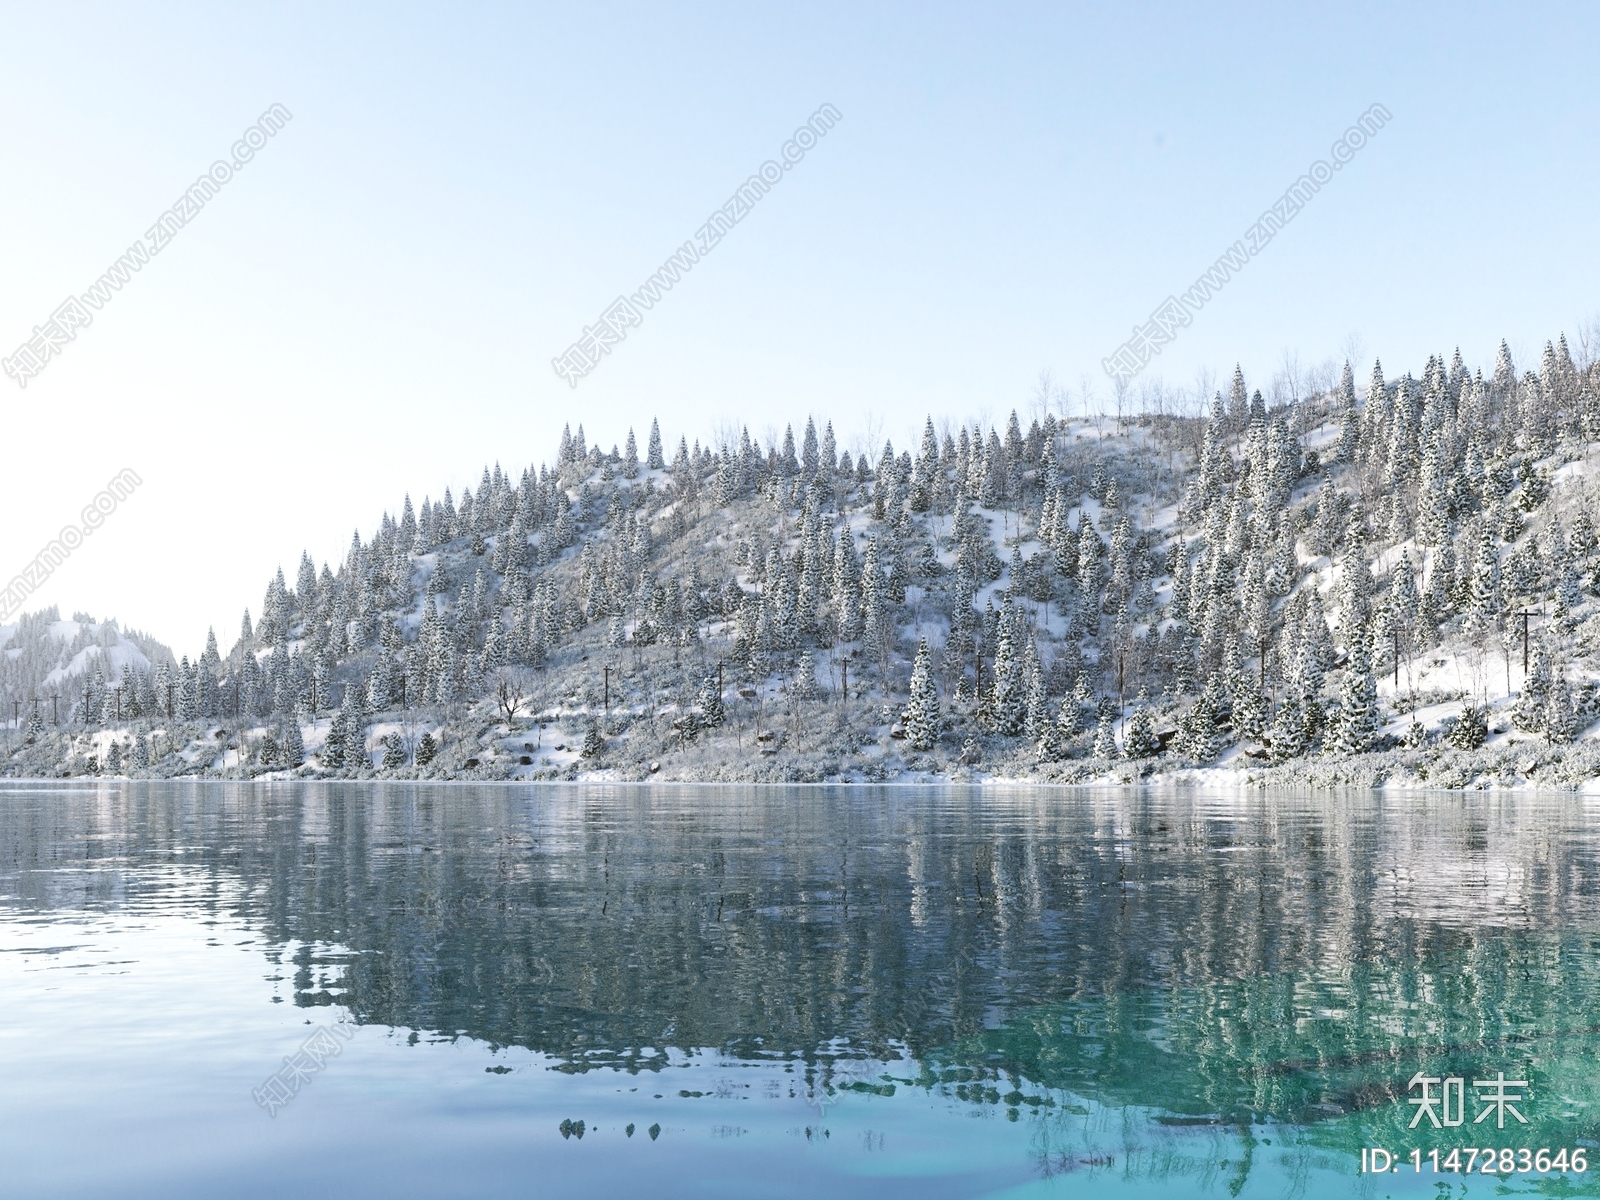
{"x":46,"y":662}
{"x":1344,"y":577}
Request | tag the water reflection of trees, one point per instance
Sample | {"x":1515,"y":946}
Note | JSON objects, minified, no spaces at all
{"x":1224,"y":961}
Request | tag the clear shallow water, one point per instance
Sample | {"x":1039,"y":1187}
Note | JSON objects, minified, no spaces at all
{"x":784,"y":991}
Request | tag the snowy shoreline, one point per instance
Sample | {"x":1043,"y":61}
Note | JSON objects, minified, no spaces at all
{"x":1515,"y":766}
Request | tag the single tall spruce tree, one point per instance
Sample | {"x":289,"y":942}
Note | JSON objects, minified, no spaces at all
{"x":922,"y":712}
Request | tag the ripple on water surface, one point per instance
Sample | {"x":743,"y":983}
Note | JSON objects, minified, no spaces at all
{"x":399,"y":990}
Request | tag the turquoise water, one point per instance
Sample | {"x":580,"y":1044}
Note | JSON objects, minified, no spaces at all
{"x":785,"y":992}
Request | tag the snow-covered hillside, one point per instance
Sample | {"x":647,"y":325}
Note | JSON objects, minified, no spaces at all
{"x":1337,"y":586}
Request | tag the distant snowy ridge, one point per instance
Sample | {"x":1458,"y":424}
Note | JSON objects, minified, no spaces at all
{"x":48,"y":660}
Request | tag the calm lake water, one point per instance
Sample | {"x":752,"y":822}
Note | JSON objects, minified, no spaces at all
{"x":403,"y":990}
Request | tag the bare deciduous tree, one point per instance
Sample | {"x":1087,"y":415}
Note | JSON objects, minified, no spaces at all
{"x":509,"y":696}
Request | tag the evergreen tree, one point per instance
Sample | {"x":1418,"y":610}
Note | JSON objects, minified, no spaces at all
{"x":426,"y":749}
{"x":1356,"y":722}
{"x":1105,"y":737}
{"x":1349,"y":416}
{"x":1139,"y":738}
{"x":293,"y":747}
{"x":1038,"y":715}
{"x":808,"y":449}
{"x":805,"y":676}
{"x":1248,"y":705}
{"x":1287,"y":738}
{"x":1532,"y":703}
{"x":394,"y":752}
{"x":654,"y":458}
{"x":710,"y":701}
{"x":630,"y":457}
{"x":331,"y":758}
{"x":1010,"y":695}
{"x":1403,"y":598}
{"x":1560,"y":719}
{"x":188,"y":706}
{"x":922,"y":712}
{"x":1069,"y":720}
{"x":1197,"y":739}
{"x":1483,"y":600}
{"x":1569,"y":592}
{"x":355,"y":745}
{"x":1330,"y":517}
{"x":1433,"y":510}
{"x":1470,"y":731}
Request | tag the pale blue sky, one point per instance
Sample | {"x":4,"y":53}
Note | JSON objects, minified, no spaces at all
{"x":371,"y":306}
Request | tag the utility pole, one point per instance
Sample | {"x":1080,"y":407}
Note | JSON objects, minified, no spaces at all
{"x":607,"y":673}
{"x":1397,"y":660}
{"x":1525,"y":614}
{"x":55,"y":710}
{"x":844,"y":687}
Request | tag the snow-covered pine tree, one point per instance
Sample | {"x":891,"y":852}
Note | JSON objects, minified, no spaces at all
{"x":1249,"y":707}
{"x":1483,"y":599}
{"x":1356,"y":721}
{"x":1560,"y":718}
{"x":187,"y":702}
{"x":1038,"y":713}
{"x":1047,"y":746}
{"x":1330,"y":518}
{"x":1470,"y":730}
{"x":354,"y":757}
{"x":1532,"y":703}
{"x":805,"y":676}
{"x":630,"y":457}
{"x":809,"y":453}
{"x":922,"y":712}
{"x":1197,"y":739}
{"x":1105,"y":737}
{"x":654,"y":458}
{"x":1139,"y":738}
{"x":1287,"y":738}
{"x":1069,"y":718}
{"x":1010,"y":681}
{"x":1569,"y":591}
{"x":710,"y":703}
{"x":1433,"y":511}
{"x":1403,"y":598}
{"x":1349,"y":416}
{"x":394,"y":752}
